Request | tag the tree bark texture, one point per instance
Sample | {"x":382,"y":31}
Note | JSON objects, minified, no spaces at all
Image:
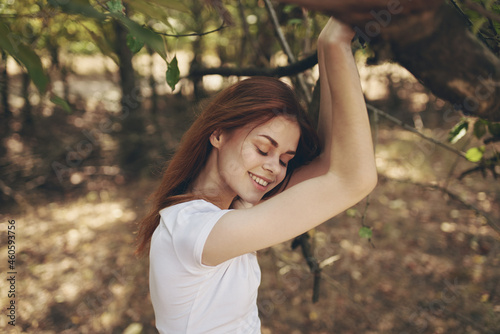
{"x":6,"y":114}
{"x":432,"y":41}
{"x":132,"y":147}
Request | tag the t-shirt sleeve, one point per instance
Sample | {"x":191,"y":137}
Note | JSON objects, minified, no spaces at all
{"x":190,"y":232}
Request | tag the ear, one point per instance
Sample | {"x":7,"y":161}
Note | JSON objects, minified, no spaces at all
{"x":216,"y":138}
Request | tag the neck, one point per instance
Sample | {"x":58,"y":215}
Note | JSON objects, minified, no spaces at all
{"x":210,"y":186}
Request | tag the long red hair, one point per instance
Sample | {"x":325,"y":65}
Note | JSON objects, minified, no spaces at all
{"x":254,"y":100}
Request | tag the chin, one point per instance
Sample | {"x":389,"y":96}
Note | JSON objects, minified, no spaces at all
{"x":250,"y":200}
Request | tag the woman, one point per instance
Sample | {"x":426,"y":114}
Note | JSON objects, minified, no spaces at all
{"x":241,"y":181}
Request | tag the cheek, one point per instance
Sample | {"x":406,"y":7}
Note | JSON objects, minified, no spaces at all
{"x":282,"y":175}
{"x":229,"y":165}
{"x":249,"y":156}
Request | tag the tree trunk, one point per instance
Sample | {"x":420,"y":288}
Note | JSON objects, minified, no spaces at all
{"x":199,"y":91}
{"x":26,"y":116}
{"x":132,"y":149}
{"x":454,"y":65}
{"x":6,"y":114}
{"x":152,"y":83}
{"x":432,"y":41}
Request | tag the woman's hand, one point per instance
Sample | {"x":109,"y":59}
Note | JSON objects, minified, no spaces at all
{"x":335,"y":32}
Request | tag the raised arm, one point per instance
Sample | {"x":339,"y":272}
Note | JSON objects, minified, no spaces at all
{"x":340,"y":177}
{"x":343,"y":125}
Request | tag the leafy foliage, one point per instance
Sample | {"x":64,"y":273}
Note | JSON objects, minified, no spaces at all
{"x":365,"y":232}
{"x":484,"y":20}
{"x":173,"y":73}
{"x":91,"y":19}
{"x":458,"y":131}
{"x":482,"y":130}
{"x":475,"y":154}
{"x":12,"y":43}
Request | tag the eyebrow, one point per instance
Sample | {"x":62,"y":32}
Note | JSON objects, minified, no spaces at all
{"x":275,"y":144}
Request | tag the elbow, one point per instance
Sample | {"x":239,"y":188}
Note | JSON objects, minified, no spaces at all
{"x":365,"y":183}
{"x":367,"y":177}
{"x":370,"y":182}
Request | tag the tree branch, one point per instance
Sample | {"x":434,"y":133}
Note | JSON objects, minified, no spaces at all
{"x":412,"y":129}
{"x":483,"y":166}
{"x":307,"y":251}
{"x":286,"y":48}
{"x":191,"y":34}
{"x":469,"y":23}
{"x":494,"y":225}
{"x":280,"y":71}
{"x":481,"y":10}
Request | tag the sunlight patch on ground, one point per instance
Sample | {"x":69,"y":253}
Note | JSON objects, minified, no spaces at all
{"x":57,"y":246}
{"x":407,"y":156}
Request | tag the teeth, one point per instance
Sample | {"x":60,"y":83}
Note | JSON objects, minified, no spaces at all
{"x":259,"y":180}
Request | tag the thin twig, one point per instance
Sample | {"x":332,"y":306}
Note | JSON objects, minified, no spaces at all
{"x":452,"y":196}
{"x":313,"y":264}
{"x":412,"y":129}
{"x":102,"y":5}
{"x":469,"y":22}
{"x":454,"y":165}
{"x":375,"y":121}
{"x":461,"y":12}
{"x":483,"y":166}
{"x":481,"y":10}
{"x":191,"y":34}
{"x":363,"y":218}
{"x":286,"y":47}
{"x":39,"y":15}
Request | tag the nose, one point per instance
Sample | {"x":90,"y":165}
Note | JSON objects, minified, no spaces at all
{"x":272,"y":165}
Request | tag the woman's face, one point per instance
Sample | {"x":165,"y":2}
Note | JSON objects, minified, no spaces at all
{"x":253,"y":159}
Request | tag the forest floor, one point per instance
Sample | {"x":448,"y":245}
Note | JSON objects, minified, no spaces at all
{"x":431,"y":266}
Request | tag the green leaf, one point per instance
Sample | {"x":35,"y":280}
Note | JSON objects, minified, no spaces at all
{"x":25,"y":56}
{"x":115,"y":6}
{"x":294,"y":21}
{"x":494,"y":129}
{"x":288,"y":8}
{"x":475,"y":154}
{"x":173,"y":73}
{"x":171,"y":4}
{"x":479,"y":128}
{"x":476,"y":26}
{"x":78,"y":7}
{"x":149,"y":37}
{"x":365,"y":232}
{"x":61,"y":103}
{"x":458,"y":131}
{"x":151,"y":11}
{"x":104,"y":45}
{"x":134,"y":44}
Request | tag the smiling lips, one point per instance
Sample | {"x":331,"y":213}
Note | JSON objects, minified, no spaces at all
{"x":260,"y":181}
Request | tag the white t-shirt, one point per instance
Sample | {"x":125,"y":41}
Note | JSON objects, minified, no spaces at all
{"x":190,"y":297}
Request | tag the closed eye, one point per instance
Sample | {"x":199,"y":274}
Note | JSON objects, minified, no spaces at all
{"x":282,"y":163}
{"x":261,"y":152}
